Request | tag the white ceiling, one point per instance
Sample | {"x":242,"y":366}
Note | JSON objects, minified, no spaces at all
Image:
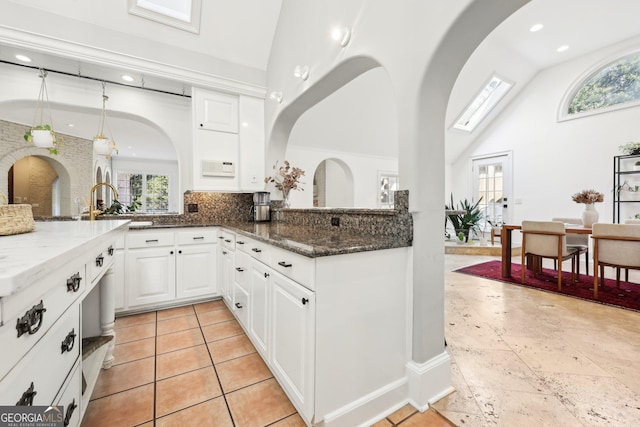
{"x":518,"y":54}
{"x":241,"y":32}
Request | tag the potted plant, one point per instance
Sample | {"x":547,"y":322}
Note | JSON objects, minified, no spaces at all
{"x":589,"y":198}
{"x":286,"y":179}
{"x":467,"y":220}
{"x":43,"y":136}
{"x":630,"y":148}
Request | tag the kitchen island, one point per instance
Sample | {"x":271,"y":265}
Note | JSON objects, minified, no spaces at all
{"x":56,"y":294}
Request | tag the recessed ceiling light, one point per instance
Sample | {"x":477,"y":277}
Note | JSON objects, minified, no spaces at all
{"x":127,"y":78}
{"x":562,"y":48}
{"x":70,"y":125}
{"x":536,"y":27}
{"x":23,"y":58}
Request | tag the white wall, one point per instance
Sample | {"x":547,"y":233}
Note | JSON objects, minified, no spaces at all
{"x":555,"y":159}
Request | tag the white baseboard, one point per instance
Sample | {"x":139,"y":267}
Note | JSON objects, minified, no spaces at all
{"x":429,"y":381}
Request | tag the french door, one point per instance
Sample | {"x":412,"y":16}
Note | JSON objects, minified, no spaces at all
{"x":492,"y":182}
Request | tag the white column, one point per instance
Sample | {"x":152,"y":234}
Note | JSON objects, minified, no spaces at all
{"x":107,"y":313}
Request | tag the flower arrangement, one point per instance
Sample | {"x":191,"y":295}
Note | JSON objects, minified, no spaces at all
{"x":588,"y":197}
{"x":286,"y":178}
{"x":630,"y":148}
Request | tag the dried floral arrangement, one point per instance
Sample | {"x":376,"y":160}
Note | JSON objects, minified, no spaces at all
{"x":588,"y":197}
{"x":286,"y":178}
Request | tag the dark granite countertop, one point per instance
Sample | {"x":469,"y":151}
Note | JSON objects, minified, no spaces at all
{"x":305,"y":240}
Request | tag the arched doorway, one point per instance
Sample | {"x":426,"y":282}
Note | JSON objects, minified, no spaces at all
{"x":333,"y":184}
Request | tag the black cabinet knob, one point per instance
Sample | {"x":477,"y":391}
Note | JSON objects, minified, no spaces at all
{"x":304,"y":301}
{"x":266,"y":275}
{"x":238,"y":305}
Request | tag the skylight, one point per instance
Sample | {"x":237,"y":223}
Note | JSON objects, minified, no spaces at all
{"x":482,"y":104}
{"x":182,"y":14}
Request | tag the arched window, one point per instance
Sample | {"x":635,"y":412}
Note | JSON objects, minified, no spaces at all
{"x":615,"y":84}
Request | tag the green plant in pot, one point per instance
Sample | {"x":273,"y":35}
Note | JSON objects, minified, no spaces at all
{"x":43,"y":136}
{"x":466,"y":221}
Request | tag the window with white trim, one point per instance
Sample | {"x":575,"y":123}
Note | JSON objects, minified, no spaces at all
{"x":492,"y":92}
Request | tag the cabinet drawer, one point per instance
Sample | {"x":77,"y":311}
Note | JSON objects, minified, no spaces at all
{"x":295,"y":266}
{"x":46,"y":366}
{"x":241,"y":304}
{"x":69,"y":397}
{"x":101,"y":262}
{"x":196,"y":236}
{"x":59,"y":293}
{"x":150,"y":239}
{"x":257,"y":249}
{"x":243,"y":270}
{"x":227,"y":239}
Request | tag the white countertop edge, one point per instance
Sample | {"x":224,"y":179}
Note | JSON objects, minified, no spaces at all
{"x":30,"y":257}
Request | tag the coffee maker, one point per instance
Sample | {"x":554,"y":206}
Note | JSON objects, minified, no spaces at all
{"x":261,"y":206}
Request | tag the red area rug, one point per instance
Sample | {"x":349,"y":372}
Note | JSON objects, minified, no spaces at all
{"x":627,"y":296}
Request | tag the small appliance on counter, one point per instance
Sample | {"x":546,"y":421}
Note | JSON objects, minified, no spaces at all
{"x":261,"y":207}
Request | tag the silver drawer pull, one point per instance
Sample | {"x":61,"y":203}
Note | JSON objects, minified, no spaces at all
{"x":27,"y":397}
{"x":69,"y":341}
{"x":284,"y":264}
{"x":31,"y":321}
{"x":73,"y":283}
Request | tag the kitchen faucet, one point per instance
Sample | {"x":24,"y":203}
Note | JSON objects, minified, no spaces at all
{"x":92,"y":215}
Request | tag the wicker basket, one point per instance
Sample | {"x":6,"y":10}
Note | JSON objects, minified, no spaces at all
{"x":15,"y":219}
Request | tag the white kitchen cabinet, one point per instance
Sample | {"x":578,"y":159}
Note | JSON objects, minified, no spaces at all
{"x":151,"y":275}
{"x":215,"y":111}
{"x":251,"y":144}
{"x":226,"y":274}
{"x":196,"y":270}
{"x":259,"y":306}
{"x":293,"y":340}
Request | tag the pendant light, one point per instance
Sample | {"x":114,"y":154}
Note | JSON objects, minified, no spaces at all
{"x":103,"y":144}
{"x":41,"y":133}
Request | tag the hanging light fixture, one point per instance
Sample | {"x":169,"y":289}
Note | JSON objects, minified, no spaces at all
{"x":41,"y":132}
{"x":103,"y":144}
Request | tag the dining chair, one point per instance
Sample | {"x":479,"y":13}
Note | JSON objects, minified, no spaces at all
{"x":577,"y":241}
{"x":617,"y":246}
{"x":547,"y":239}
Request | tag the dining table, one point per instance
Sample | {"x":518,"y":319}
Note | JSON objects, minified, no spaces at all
{"x":506,"y":241}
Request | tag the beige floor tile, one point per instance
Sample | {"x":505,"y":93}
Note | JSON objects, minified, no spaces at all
{"x":213,"y":412}
{"x":553,"y":356}
{"x":469,"y":334}
{"x":177,"y":324}
{"x":134,"y":350}
{"x":230,"y":348}
{"x":462,"y":399}
{"x":291,"y":421}
{"x":222,"y":330}
{"x":134,"y":333}
{"x":210,"y":317}
{"x":209,"y":306}
{"x":401,"y":414}
{"x":179,"y":340}
{"x":242,"y":371}
{"x":182,"y":391}
{"x":129,"y":408}
{"x":523,"y":409}
{"x":259,"y":405}
{"x":428,"y":418}
{"x":124,"y":377}
{"x":596,"y":400}
{"x":134,"y":320}
{"x":464,"y":419}
{"x":383,"y":423}
{"x":181,"y":361}
{"x":170,"y":313}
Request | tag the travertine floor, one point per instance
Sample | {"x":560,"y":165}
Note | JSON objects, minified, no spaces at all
{"x":522,"y":357}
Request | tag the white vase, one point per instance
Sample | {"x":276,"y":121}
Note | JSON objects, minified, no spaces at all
{"x":590,"y":215}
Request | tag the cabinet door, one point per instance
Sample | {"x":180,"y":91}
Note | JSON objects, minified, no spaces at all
{"x":293,"y":340}
{"x":151,"y":275}
{"x":216,"y":111}
{"x":196,"y":271}
{"x":119,"y":270}
{"x":259,"y":309}
{"x":226,"y":275}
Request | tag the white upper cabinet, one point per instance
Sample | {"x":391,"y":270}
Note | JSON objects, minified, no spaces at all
{"x":216,"y":111}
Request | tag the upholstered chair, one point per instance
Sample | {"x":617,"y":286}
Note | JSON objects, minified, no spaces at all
{"x":547,"y":239}
{"x":577,"y":241}
{"x":617,"y":246}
